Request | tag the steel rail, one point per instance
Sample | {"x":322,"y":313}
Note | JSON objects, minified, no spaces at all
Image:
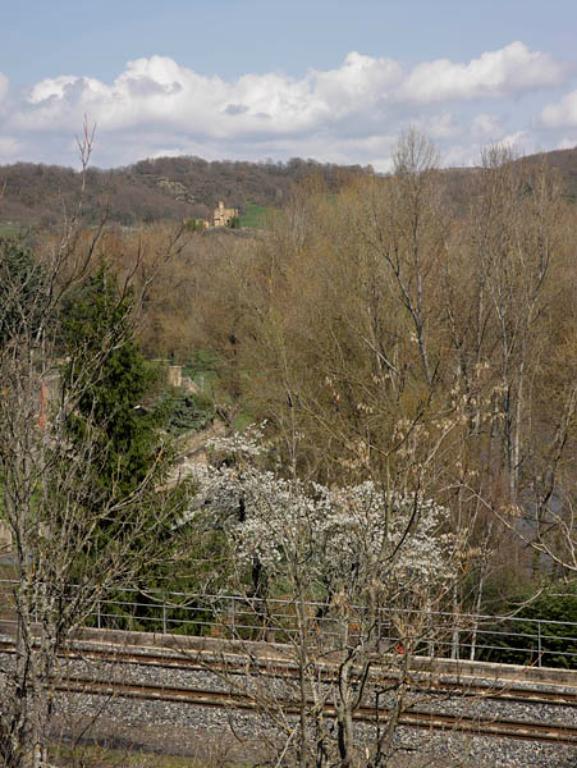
{"x":481,"y":726}
{"x":466,"y":686}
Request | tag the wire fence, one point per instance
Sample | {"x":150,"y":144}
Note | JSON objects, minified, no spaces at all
{"x":458,"y":635}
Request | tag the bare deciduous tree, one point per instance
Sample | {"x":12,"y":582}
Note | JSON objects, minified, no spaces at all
{"x":73,"y":539}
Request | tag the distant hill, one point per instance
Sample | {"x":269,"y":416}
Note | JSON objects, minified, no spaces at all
{"x":565,"y":162}
{"x":152,"y":190}
{"x":189,"y":187}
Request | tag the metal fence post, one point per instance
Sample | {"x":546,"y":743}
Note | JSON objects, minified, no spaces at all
{"x":209,"y":612}
{"x":455,"y":642}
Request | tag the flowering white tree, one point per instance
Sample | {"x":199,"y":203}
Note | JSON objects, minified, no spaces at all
{"x":352,"y":537}
{"x":358,"y":569}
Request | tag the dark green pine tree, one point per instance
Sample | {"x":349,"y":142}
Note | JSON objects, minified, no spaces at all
{"x":21,"y":293}
{"x":99,"y":317}
{"x":131,"y":451}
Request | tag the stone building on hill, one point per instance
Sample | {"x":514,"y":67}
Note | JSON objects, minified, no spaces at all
{"x":222,"y":217}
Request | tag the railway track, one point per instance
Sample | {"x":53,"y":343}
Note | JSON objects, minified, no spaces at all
{"x":202,"y":661}
{"x":482,"y":726}
{"x":281,"y":668}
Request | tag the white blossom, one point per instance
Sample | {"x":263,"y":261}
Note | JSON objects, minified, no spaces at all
{"x":343,"y":539}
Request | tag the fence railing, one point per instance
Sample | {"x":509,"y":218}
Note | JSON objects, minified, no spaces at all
{"x":511,"y":639}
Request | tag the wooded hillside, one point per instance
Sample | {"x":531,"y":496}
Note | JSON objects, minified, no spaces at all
{"x":154,"y":190}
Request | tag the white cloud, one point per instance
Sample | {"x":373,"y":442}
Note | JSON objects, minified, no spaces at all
{"x":438,"y":126}
{"x":348,"y":114}
{"x":357,"y":84}
{"x":462,"y":155}
{"x":3,"y":86}
{"x":561,"y":114}
{"x":159,"y":91}
{"x":54,"y":88}
{"x":494,"y":74}
{"x":518,"y":141}
{"x":486,"y":127}
{"x":9,"y":148}
{"x":567,"y":142}
{"x":374,"y":149}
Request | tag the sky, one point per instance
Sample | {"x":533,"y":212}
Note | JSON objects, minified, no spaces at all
{"x":333,"y":80}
